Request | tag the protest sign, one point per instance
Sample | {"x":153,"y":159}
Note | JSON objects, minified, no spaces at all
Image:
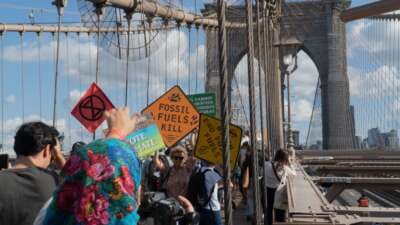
{"x":209,"y":142}
{"x":146,"y":141}
{"x":174,"y":115}
{"x":90,"y":108}
{"x":204,"y":103}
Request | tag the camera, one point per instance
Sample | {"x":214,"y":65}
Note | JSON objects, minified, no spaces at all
{"x":164,"y":211}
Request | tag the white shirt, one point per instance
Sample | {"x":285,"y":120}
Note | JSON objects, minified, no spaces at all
{"x":214,"y":204}
{"x":42,"y":213}
{"x":272,"y":180}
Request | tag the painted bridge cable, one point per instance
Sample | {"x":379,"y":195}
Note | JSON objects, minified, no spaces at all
{"x":253,"y":128}
{"x":225,"y":114}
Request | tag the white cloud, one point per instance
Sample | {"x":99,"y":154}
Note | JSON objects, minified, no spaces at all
{"x":11,"y":99}
{"x":378,"y":83}
{"x":11,"y":126}
{"x":301,"y":110}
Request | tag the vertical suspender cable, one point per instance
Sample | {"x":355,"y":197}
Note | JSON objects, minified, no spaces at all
{"x":60,"y":12}
{"x":225,"y":115}
{"x":166,"y":56}
{"x":178,"y":56}
{"x":79,"y":73}
{"x":67,"y":62}
{"x":312,"y":114}
{"x":98,"y":14}
{"x":147,"y":48}
{"x":197,"y":49}
{"x":393,"y":75}
{"x":398,"y":77}
{"x":197,"y":60}
{"x":39,"y":74}
{"x":128,"y":18}
{"x":260,"y":58}
{"x":2,"y":89}
{"x":90,"y":54}
{"x":189,"y":26}
{"x":253,"y":129}
{"x":266,"y":74}
{"x":204,"y":64}
{"x":21,"y":38}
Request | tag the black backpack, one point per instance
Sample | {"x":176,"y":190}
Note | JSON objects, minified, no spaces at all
{"x":197,"y":192}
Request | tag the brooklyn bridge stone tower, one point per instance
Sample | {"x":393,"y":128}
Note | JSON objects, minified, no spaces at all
{"x":317,"y":25}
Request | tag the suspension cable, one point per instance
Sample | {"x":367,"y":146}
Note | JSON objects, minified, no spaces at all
{"x":39,"y":74}
{"x":260,"y":50}
{"x":79,"y":74}
{"x":189,"y":27}
{"x":147,"y":48}
{"x":21,"y":38}
{"x":67,"y":64}
{"x":225,"y":114}
{"x":197,"y":59}
{"x":253,"y":128}
{"x":166,"y":57}
{"x":241,"y":100}
{"x":56,"y":66}
{"x":2,"y":89}
{"x":128,"y":18}
{"x":98,"y":14}
{"x":178,"y":56}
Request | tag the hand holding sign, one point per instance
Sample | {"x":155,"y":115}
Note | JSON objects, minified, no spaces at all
{"x":119,"y":119}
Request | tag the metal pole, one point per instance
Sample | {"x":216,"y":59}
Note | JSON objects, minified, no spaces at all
{"x":283,"y":87}
{"x":225,"y":114}
{"x":289,"y":119}
{"x":253,"y":129}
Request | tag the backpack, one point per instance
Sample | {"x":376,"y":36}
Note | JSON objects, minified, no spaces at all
{"x":197,"y":192}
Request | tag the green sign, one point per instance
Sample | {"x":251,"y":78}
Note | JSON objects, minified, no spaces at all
{"x":146,"y":141}
{"x":205,"y":103}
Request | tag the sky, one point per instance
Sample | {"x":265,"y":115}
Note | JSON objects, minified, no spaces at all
{"x":28,"y":90}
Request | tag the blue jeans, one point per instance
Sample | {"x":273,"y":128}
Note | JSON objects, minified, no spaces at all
{"x":209,"y":217}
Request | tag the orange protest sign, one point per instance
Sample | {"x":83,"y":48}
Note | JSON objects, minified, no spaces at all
{"x":209,"y":142}
{"x":174,"y":115}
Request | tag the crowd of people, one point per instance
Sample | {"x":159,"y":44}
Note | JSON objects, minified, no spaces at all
{"x":104,"y":182}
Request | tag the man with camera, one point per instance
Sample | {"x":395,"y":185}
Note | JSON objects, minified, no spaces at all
{"x":157,"y":209}
{"x":26,"y":187}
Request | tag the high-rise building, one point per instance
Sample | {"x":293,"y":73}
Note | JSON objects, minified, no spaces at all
{"x":391,"y":139}
{"x":296,"y":137}
{"x":388,"y":140}
{"x":375,"y":139}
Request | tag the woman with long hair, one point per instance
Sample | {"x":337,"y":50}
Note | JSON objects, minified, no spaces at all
{"x":276,"y":175}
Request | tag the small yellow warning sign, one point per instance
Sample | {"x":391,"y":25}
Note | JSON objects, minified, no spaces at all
{"x":209,"y":142}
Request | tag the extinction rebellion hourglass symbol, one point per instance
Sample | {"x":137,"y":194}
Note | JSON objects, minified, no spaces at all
{"x":92,"y":108}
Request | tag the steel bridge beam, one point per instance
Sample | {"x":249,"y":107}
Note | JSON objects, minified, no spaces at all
{"x":154,"y":8}
{"x":73,"y":29}
{"x":371,"y":9}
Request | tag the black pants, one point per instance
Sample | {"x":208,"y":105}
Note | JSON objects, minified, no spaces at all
{"x":280,"y":215}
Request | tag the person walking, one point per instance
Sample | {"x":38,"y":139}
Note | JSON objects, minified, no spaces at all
{"x":277,"y":172}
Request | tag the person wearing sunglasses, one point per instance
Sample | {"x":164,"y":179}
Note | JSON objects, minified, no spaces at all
{"x":29,"y":184}
{"x":177,"y":176}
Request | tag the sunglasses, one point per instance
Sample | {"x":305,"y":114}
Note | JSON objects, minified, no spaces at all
{"x":177,"y":158}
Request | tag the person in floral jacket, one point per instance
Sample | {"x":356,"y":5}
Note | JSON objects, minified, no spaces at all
{"x":101,"y":181}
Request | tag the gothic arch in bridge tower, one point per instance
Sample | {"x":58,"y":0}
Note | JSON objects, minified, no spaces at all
{"x":318,"y":26}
